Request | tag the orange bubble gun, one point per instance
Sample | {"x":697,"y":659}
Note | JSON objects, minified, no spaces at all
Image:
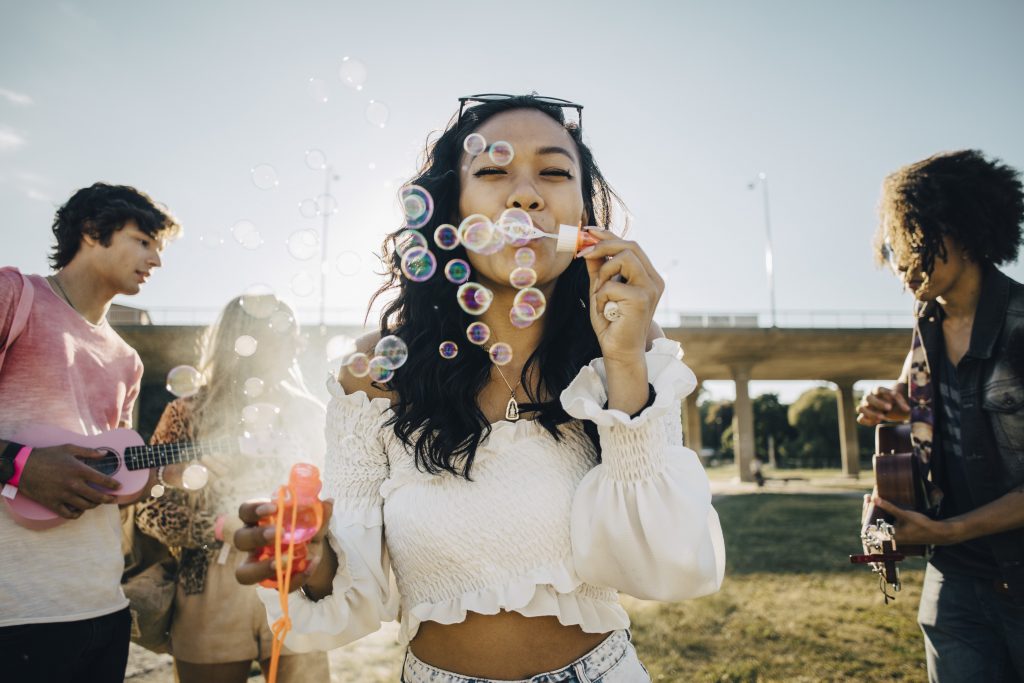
{"x":297,"y":502}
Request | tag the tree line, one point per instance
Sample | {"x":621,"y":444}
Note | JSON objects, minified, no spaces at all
{"x":804,"y":433}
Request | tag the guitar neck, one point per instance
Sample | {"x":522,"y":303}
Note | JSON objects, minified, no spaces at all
{"x":145,"y":457}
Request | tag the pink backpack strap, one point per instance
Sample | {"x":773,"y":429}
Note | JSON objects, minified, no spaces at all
{"x":20,"y":313}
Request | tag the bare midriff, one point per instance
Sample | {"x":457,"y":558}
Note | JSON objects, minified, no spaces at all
{"x":505,"y":645}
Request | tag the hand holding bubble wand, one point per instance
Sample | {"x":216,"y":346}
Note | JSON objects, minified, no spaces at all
{"x":299,"y":498}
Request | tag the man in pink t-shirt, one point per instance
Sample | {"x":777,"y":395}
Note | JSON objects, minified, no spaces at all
{"x":63,"y":616}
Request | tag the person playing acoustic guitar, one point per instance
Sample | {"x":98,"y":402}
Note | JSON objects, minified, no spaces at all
{"x":946,"y":223}
{"x":63,"y":616}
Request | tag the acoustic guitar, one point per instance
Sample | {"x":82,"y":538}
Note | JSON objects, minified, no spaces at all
{"x":126,"y":458}
{"x":900,"y":478}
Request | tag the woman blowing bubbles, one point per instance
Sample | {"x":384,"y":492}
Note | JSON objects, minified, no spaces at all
{"x":509,"y":537}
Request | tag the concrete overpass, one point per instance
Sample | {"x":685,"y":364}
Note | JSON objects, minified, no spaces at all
{"x":740,"y":354}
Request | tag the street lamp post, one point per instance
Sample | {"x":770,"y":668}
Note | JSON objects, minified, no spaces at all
{"x":769,"y":263}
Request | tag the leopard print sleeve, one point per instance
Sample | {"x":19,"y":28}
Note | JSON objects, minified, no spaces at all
{"x":178,"y":519}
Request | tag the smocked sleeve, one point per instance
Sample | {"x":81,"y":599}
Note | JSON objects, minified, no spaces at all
{"x":354,"y":469}
{"x":642,"y":520}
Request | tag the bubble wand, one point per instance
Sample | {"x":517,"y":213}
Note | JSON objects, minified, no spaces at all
{"x":283,"y":570}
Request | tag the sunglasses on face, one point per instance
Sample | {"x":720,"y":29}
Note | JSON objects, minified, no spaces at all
{"x":497,"y":97}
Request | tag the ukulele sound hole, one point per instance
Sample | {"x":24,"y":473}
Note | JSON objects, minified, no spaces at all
{"x":108,"y":464}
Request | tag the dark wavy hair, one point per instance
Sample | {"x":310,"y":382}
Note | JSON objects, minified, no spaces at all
{"x":435,"y":410}
{"x":99,"y":211}
{"x":977,"y":202}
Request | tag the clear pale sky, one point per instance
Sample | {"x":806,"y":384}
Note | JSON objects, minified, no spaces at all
{"x":686,"y":102}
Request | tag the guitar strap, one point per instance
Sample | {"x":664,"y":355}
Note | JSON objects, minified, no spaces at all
{"x":21,"y":312}
{"x":920,"y":390}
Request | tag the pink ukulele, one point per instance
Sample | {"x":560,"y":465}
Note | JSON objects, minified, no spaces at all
{"x":127,"y":459}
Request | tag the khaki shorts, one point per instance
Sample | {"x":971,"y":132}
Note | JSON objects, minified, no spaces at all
{"x":228,"y":623}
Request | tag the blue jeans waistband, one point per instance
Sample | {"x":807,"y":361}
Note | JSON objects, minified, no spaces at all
{"x":588,"y":668}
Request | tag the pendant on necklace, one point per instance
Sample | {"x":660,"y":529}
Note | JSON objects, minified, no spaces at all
{"x":512,"y":410}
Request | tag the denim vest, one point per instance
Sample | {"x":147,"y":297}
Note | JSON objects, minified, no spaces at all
{"x":991,"y":379}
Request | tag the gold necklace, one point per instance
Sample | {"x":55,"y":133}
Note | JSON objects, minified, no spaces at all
{"x":512,"y":408}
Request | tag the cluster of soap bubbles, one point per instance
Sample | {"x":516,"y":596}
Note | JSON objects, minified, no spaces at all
{"x":389,"y":355}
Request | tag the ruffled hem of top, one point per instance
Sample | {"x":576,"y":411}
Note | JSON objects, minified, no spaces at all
{"x":548,"y":591}
{"x":357,"y":399}
{"x":672,"y":380}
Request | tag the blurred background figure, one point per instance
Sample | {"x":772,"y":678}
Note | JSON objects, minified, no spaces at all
{"x":252,"y":399}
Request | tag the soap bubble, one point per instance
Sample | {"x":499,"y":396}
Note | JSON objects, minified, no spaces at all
{"x":212,"y":238}
{"x":517,"y":226}
{"x":302,"y":284}
{"x":448,"y":350}
{"x":352,"y":73}
{"x":501,"y":153}
{"x":348,"y":263}
{"x":253,"y":387}
{"x":393,"y":350}
{"x":409,"y":239}
{"x":308,"y":208}
{"x":533,"y":298}
{"x":245,"y":346}
{"x":474,"y":298}
{"x":446,"y":237}
{"x":474,"y":144}
{"x":377,"y":113}
{"x":246,"y":234}
{"x":521,"y":278}
{"x":303,"y":244}
{"x":195,"y":477}
{"x":316,"y":160}
{"x":317,"y":89}
{"x":456,"y":271}
{"x":358,"y":364}
{"x":522,"y":315}
{"x":419,"y":265}
{"x":326,"y":204}
{"x":379,"y":370}
{"x":476,"y":232}
{"x":525,"y":257}
{"x":340,"y":346}
{"x":417,"y":205}
{"x":500,"y":353}
{"x":282,"y":321}
{"x":264,"y":176}
{"x":184,"y":381}
{"x":478,"y":333}
{"x":260,"y":417}
{"x":258,"y":301}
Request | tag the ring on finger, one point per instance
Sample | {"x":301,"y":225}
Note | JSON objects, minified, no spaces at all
{"x":611,"y":312}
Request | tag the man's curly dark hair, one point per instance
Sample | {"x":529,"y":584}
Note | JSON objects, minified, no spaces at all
{"x":977,"y":202}
{"x":99,"y":211}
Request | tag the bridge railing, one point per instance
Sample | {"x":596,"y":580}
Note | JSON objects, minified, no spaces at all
{"x":353,"y":316}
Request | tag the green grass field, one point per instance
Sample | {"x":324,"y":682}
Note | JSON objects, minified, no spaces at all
{"x":792,"y":607}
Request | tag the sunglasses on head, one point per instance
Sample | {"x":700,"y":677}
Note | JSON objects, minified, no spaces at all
{"x":497,"y":97}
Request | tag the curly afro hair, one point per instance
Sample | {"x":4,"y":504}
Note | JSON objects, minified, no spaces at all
{"x":99,"y":211}
{"x":977,"y":202}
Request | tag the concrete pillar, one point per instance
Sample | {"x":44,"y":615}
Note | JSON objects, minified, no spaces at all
{"x":743,"y":423}
{"x":849,"y":447}
{"x":691,"y":421}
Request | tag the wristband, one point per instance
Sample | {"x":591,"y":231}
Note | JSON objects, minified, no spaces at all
{"x":218,"y":528}
{"x":651,"y":395}
{"x":19,"y":464}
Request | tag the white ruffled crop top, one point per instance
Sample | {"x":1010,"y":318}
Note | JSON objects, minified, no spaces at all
{"x":541,"y":530}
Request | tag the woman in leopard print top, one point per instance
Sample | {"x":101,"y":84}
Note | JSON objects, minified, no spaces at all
{"x":219,"y":627}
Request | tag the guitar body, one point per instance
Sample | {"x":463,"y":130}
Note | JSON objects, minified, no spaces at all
{"x":900,"y":479}
{"x":32,"y":515}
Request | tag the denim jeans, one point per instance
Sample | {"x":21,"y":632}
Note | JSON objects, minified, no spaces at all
{"x":971,"y":631}
{"x":613,"y":661}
